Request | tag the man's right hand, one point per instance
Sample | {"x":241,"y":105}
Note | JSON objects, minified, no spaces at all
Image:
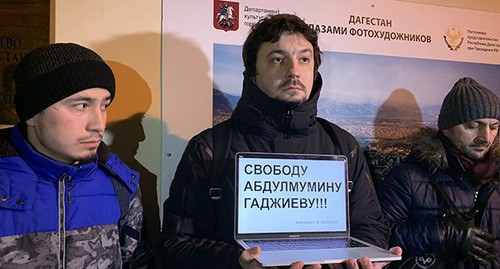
{"x":461,"y":238}
{"x":248,"y":258}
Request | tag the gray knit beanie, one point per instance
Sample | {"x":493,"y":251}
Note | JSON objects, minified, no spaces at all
{"x":467,"y":101}
{"x":53,"y":72}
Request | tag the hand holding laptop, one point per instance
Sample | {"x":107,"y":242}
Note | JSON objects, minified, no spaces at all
{"x":367,"y":264}
{"x":248,"y":260}
{"x":314,"y":231}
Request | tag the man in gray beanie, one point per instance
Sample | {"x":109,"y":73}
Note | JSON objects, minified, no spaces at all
{"x":443,"y":201}
{"x":66,"y":201}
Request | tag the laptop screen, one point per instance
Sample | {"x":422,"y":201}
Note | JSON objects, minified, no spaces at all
{"x":290,"y":193}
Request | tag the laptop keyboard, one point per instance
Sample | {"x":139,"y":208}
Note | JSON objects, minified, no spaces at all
{"x":313,"y":243}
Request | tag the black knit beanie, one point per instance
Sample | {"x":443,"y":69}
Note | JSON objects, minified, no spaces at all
{"x":467,"y":101}
{"x":53,"y":72}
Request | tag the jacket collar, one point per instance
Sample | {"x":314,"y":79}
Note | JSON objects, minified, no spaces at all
{"x":47,"y":168}
{"x":269,"y":117}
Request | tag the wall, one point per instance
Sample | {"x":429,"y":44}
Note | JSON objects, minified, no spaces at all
{"x":24,"y":25}
{"x":126,"y":33}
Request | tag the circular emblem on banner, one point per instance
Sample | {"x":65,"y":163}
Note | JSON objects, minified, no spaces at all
{"x":453,"y":37}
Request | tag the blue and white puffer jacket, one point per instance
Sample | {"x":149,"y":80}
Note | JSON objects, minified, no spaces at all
{"x":56,"y":215}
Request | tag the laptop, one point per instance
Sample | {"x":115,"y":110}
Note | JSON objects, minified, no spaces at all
{"x":296,"y":208}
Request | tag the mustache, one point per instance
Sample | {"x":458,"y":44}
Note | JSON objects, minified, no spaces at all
{"x":293,"y":83}
{"x":91,"y":138}
{"x":480,"y":144}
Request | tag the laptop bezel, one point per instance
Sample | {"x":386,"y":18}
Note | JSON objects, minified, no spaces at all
{"x":330,"y":234}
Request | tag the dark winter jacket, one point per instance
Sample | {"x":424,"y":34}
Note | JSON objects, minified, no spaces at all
{"x":413,"y":209}
{"x":56,"y":215}
{"x":199,"y":233}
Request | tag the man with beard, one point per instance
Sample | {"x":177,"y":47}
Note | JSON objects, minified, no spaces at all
{"x":60,"y":187}
{"x":276,"y":113}
{"x":443,"y":202}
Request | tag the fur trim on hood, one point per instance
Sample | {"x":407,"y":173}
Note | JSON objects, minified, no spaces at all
{"x":428,"y":150}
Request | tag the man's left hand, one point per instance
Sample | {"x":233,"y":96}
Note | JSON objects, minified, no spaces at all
{"x":365,"y":262}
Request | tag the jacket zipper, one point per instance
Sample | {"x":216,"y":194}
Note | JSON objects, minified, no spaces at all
{"x":62,"y":220}
{"x":286,"y":122}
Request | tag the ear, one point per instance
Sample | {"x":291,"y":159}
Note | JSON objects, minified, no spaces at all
{"x":31,"y":121}
{"x":446,"y":132}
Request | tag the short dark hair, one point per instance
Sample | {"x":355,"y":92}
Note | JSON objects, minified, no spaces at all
{"x":269,"y":29}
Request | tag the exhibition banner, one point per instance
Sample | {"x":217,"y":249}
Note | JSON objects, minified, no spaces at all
{"x":386,"y":65}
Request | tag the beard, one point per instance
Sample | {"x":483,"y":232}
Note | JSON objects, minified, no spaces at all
{"x":295,"y":83}
{"x":89,"y":158}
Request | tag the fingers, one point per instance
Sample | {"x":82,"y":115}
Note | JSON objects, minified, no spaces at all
{"x":300,"y":265}
{"x":483,"y":247}
{"x":481,"y":235}
{"x":297,"y":265}
{"x":248,"y":258}
{"x":352,"y":264}
{"x":484,"y":262}
{"x":313,"y":266}
{"x":396,"y":251}
{"x":365,"y":263}
{"x":486,"y":254}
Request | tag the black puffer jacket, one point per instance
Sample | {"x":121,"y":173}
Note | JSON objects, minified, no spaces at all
{"x":413,"y":210}
{"x":199,"y":233}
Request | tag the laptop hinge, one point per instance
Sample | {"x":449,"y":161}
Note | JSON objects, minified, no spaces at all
{"x":215,"y":193}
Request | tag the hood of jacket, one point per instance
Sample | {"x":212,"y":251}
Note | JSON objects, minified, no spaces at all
{"x":268,"y":117}
{"x":429,"y":152}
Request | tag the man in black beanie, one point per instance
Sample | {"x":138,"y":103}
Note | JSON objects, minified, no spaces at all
{"x":65,"y":200}
{"x":443,"y":202}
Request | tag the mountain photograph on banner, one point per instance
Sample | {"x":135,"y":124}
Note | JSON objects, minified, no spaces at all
{"x":376,"y":98}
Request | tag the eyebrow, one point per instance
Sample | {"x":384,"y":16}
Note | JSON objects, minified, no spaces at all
{"x":481,"y":122}
{"x":87,"y":98}
{"x":281,"y":51}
